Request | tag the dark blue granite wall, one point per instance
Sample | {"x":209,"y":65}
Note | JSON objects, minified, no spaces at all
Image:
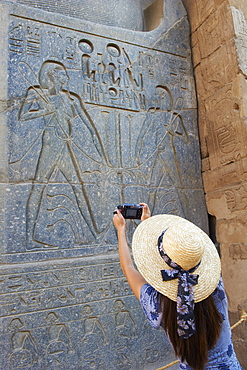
{"x":93,"y":116}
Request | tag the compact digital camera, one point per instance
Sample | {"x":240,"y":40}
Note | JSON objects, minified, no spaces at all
{"x":131,"y":211}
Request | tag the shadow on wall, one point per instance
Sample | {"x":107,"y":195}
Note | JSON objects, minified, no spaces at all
{"x":136,"y":15}
{"x":153,"y":15}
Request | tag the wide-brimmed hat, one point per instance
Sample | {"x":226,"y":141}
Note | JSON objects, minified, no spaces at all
{"x":185,"y":244}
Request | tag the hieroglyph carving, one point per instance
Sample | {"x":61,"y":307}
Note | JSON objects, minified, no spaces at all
{"x":100,"y":123}
{"x":227,"y":139}
{"x":74,"y":316}
{"x":238,"y":251}
{"x":25,"y":292}
{"x":236,"y":198}
{"x":92,"y":121}
{"x":24,"y":352}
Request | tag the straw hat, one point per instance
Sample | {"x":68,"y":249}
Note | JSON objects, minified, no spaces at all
{"x":186,"y":244}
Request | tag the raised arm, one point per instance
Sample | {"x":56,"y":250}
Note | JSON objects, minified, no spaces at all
{"x":135,"y":279}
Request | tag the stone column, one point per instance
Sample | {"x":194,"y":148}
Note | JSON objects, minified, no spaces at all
{"x":219,"y":42}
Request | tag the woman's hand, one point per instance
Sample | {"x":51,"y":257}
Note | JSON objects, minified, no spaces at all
{"x":118,"y":220}
{"x":146,"y":213}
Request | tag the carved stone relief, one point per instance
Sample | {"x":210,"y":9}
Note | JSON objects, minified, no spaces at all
{"x":81,"y":316}
{"x":100,"y":123}
{"x":93,"y":120}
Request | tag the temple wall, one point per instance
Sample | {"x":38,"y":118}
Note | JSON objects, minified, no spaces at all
{"x":64,"y":298}
{"x":95,"y":112}
{"x":219,"y":44}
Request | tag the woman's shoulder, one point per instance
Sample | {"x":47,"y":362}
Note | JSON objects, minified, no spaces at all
{"x":220,"y":299}
{"x":149,"y":296}
{"x":148,"y":289}
{"x":149,"y":300}
{"x":219,"y":293}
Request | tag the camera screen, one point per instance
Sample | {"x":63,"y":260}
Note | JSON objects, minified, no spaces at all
{"x":130,"y":212}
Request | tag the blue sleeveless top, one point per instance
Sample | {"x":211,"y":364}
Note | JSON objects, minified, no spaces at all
{"x":222,"y":356}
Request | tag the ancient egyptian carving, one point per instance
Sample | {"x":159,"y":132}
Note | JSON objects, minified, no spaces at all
{"x":94,"y":118}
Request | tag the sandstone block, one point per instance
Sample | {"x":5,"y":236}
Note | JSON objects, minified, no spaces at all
{"x":216,"y":30}
{"x":228,"y":175}
{"x":219,"y":69}
{"x":226,"y":140}
{"x":205,"y":8}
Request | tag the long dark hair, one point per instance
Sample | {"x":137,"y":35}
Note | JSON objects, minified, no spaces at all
{"x":193,"y":350}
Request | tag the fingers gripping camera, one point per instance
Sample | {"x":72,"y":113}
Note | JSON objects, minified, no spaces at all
{"x":131,"y":211}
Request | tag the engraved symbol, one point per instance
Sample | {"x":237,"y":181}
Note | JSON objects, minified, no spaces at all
{"x":70,"y":49}
{"x":94,"y":339}
{"x":151,"y":353}
{"x":226,"y":139}
{"x":33,"y":41}
{"x":110,"y":77}
{"x":85,"y":46}
{"x":125,"y":325}
{"x":113,"y":50}
{"x":125,"y":333}
{"x":238,"y":251}
{"x":24,"y":350}
{"x":59,"y":342}
{"x":93,"y":328}
{"x":236,"y":199}
{"x":89,"y":70}
{"x":16,"y":40}
{"x":122,"y":360}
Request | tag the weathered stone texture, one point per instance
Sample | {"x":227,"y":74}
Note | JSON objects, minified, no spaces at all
{"x":216,"y":30}
{"x":93,"y":116}
{"x":219,"y":33}
{"x":217,"y":70}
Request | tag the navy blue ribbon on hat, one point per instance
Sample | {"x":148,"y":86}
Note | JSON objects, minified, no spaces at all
{"x":185,"y":297}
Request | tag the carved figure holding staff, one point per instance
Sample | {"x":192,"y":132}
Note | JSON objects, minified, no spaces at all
{"x":53,"y":101}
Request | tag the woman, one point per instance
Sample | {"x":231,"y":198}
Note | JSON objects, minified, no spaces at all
{"x":180,"y":288}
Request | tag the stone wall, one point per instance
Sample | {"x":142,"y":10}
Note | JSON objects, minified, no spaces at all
{"x":48,"y":285}
{"x":93,"y":115}
{"x":219,"y":42}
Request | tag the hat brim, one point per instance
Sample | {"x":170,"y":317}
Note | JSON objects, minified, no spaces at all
{"x":149,"y":262}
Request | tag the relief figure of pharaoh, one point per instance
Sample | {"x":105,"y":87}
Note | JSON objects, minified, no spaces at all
{"x":58,"y":106}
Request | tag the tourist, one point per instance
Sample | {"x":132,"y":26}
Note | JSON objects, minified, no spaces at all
{"x":180,"y":288}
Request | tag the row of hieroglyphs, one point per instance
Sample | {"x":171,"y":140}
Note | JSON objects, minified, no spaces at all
{"x":58,"y":324}
{"x":25,"y":292}
{"x":53,"y":339}
{"x":110,"y":74}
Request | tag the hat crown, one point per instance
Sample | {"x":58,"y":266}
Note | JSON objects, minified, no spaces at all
{"x":185,"y":252}
{"x":184,"y":245}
